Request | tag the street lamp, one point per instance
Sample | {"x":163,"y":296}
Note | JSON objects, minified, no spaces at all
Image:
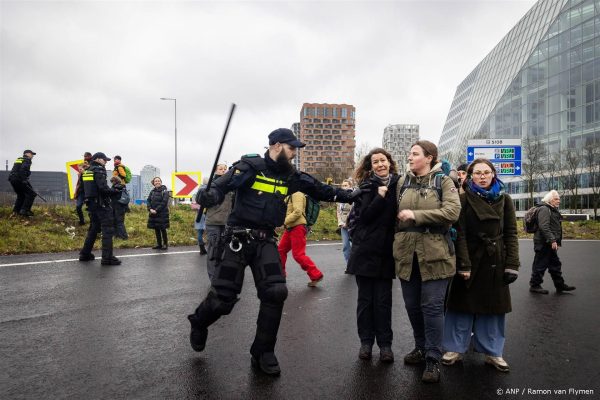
{"x":175,"y":100}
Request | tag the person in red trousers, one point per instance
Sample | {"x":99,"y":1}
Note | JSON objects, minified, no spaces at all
{"x":294,"y":238}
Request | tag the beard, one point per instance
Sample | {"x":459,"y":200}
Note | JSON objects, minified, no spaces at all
{"x":283,"y":164}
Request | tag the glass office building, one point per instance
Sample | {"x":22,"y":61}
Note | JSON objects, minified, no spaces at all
{"x":541,"y":81}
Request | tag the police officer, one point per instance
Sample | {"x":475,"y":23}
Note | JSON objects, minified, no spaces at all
{"x":19,"y":179}
{"x":97,"y":198}
{"x":261,"y":185}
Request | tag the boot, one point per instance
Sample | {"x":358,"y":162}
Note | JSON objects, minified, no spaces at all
{"x":202,"y":249}
{"x":267,"y":362}
{"x":110,"y":261}
{"x":417,"y":356}
{"x":386,"y":354}
{"x":432,"y":371}
{"x":538,"y":289}
{"x":366,"y":351}
{"x":564,"y":288}
{"x":87,"y":257}
{"x":198,"y":335}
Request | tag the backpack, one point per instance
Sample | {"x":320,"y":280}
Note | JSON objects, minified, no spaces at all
{"x":437,"y":185}
{"x":530,"y":220}
{"x":127,"y":173}
{"x":311,"y":211}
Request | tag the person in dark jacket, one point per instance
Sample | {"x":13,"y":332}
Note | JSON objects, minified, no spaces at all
{"x":119,"y":209}
{"x":371,"y":259}
{"x":19,"y":180}
{"x":488,"y":261}
{"x":97,"y":199}
{"x":546,"y":241}
{"x":260,"y":185}
{"x":79,"y":191}
{"x":158,"y":213}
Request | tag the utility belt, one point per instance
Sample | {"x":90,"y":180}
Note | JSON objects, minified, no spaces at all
{"x":237,"y":235}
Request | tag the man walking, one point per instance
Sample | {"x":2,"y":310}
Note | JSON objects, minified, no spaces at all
{"x":98,"y":199}
{"x":546,"y":241}
{"x":19,"y":179}
{"x":260,"y":184}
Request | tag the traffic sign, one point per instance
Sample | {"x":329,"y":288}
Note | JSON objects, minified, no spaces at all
{"x":184,"y":183}
{"x":505,"y":154}
{"x":73,"y":175}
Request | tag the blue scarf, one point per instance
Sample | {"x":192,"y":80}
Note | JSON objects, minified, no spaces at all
{"x":496,"y":190}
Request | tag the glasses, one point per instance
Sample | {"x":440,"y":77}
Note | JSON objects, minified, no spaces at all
{"x":482,"y":173}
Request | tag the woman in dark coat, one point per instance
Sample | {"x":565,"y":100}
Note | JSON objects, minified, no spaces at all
{"x":371,"y":259}
{"x":158,"y":217}
{"x":487,"y":252}
{"x":119,"y":209}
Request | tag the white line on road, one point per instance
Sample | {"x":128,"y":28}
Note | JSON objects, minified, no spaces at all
{"x":131,"y":256}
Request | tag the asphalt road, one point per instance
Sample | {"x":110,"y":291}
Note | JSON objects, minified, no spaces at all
{"x":85,"y":331}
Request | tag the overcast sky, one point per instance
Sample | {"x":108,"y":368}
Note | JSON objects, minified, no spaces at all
{"x":88,"y":76}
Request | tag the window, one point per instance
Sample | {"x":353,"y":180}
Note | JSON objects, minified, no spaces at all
{"x":344,"y":113}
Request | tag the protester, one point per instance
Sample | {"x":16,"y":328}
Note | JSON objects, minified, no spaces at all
{"x":119,"y":209}
{"x":158,"y":213}
{"x":216,"y":219}
{"x":260,"y":184}
{"x":488,"y":261}
{"x":546,"y":241}
{"x":19,"y":180}
{"x":461,"y":172}
{"x":342,"y":212}
{"x":119,"y":170}
{"x":294,"y":238}
{"x":371,"y":259}
{"x":97,"y":198}
{"x":200,"y":227}
{"x":428,"y":205}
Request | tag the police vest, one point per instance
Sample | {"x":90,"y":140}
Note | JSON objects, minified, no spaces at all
{"x":262,"y":205}
{"x":16,"y":169}
{"x":89,"y":185}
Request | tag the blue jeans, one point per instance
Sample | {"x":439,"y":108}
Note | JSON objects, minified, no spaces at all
{"x":200,"y":239}
{"x":488,"y":332}
{"x":347,"y":243}
{"x":424,"y":302}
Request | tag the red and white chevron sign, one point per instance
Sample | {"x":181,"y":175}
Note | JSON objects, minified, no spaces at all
{"x":184,"y":184}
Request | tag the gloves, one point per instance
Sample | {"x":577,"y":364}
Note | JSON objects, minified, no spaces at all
{"x":207,"y":199}
{"x":509,"y":278}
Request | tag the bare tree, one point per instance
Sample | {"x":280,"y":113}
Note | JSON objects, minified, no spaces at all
{"x":551,"y":171}
{"x":591,"y":159}
{"x":570,"y":178}
{"x":533,"y":165}
{"x":361,"y":151}
{"x":329,"y":169}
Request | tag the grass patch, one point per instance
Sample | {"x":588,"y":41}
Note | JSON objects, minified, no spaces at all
{"x":54,"y":228}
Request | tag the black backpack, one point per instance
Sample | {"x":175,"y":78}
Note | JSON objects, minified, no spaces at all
{"x":530,"y":220}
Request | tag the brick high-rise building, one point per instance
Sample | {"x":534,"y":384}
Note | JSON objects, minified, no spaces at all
{"x":329,"y":133}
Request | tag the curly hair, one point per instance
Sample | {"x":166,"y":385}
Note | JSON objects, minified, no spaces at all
{"x":364,"y":167}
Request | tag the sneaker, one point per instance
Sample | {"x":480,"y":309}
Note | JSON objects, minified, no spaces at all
{"x":87,"y":257}
{"x":432,"y":371}
{"x":564,"y":288}
{"x":267,"y":362}
{"x":497,"y":362}
{"x":386,"y":354}
{"x":198,"y":335}
{"x":314,"y":283}
{"x":417,"y":356}
{"x":365,"y":352}
{"x":538,"y":289}
{"x":110,"y":261}
{"x":450,"y":357}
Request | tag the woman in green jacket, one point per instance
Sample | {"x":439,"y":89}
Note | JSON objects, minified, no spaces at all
{"x":488,"y":258}
{"x":428,"y":205}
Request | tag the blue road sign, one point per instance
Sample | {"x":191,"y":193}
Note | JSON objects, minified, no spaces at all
{"x":506,"y":159}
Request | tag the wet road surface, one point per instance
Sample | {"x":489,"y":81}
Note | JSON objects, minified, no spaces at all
{"x":85,"y":331}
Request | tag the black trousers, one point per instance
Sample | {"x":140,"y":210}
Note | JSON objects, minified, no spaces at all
{"x":374,"y":310}
{"x":101,"y":220}
{"x":264,"y":262}
{"x":161,"y":236}
{"x":25,"y":196}
{"x":546,"y":258}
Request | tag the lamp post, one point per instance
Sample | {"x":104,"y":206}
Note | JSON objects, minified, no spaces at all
{"x":174,"y":100}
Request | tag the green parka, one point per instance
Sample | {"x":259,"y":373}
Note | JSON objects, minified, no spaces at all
{"x":436,"y":259}
{"x":487,"y":245}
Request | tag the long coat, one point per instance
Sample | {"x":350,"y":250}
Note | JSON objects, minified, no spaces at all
{"x":372,"y":239}
{"x":436,"y":260}
{"x":487,"y":245}
{"x":158,"y":199}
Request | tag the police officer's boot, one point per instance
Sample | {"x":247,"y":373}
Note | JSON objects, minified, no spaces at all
{"x":198,"y":334}
{"x":267,"y":362}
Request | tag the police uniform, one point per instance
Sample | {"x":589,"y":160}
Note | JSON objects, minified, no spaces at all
{"x":19,"y":179}
{"x":97,"y":198}
{"x":249,"y":239}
